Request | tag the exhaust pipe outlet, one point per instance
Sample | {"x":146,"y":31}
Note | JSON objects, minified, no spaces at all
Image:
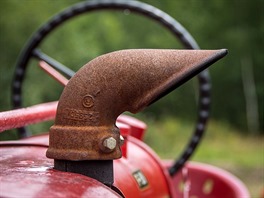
{"x":100,"y":91}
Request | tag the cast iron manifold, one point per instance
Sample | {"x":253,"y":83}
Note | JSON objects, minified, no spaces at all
{"x":126,"y":80}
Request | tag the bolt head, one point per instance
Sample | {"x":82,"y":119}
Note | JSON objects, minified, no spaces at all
{"x":109,"y":143}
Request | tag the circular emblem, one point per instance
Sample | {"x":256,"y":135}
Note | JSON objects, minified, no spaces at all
{"x":88,"y":101}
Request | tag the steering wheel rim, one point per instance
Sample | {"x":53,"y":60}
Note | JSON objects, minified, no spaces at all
{"x":135,"y":7}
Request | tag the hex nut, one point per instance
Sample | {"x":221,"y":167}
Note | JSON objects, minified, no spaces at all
{"x":109,"y":143}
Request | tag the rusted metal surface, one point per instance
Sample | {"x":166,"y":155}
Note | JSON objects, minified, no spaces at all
{"x":99,"y":92}
{"x":25,"y":116}
{"x":126,"y":130}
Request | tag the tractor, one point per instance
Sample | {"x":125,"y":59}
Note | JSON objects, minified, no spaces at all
{"x":93,"y":149}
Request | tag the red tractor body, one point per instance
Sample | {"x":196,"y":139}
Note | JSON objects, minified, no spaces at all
{"x":27,"y":172}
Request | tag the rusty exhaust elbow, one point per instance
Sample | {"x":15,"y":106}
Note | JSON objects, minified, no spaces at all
{"x":99,"y":92}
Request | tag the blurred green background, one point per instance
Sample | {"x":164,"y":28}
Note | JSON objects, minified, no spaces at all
{"x":237,"y":80}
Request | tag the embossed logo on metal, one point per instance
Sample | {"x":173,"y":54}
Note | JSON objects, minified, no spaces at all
{"x":140,"y":179}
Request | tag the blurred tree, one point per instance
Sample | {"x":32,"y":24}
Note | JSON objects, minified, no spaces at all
{"x":233,"y":24}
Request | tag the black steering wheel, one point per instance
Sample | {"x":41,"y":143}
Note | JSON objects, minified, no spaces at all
{"x":31,"y":50}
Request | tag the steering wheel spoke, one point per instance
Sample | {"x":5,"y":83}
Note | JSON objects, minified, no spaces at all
{"x":37,"y":53}
{"x":53,"y":73}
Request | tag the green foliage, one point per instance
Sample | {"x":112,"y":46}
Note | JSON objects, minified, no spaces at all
{"x":233,"y":24}
{"x":222,"y":146}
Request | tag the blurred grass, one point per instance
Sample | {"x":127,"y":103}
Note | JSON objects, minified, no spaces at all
{"x":222,"y":146}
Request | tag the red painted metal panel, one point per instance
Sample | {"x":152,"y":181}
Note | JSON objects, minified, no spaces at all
{"x":140,"y":158}
{"x":26,"y":172}
{"x":25,"y":116}
{"x":125,"y":131}
{"x":205,"y":180}
{"x":138,"y":127}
